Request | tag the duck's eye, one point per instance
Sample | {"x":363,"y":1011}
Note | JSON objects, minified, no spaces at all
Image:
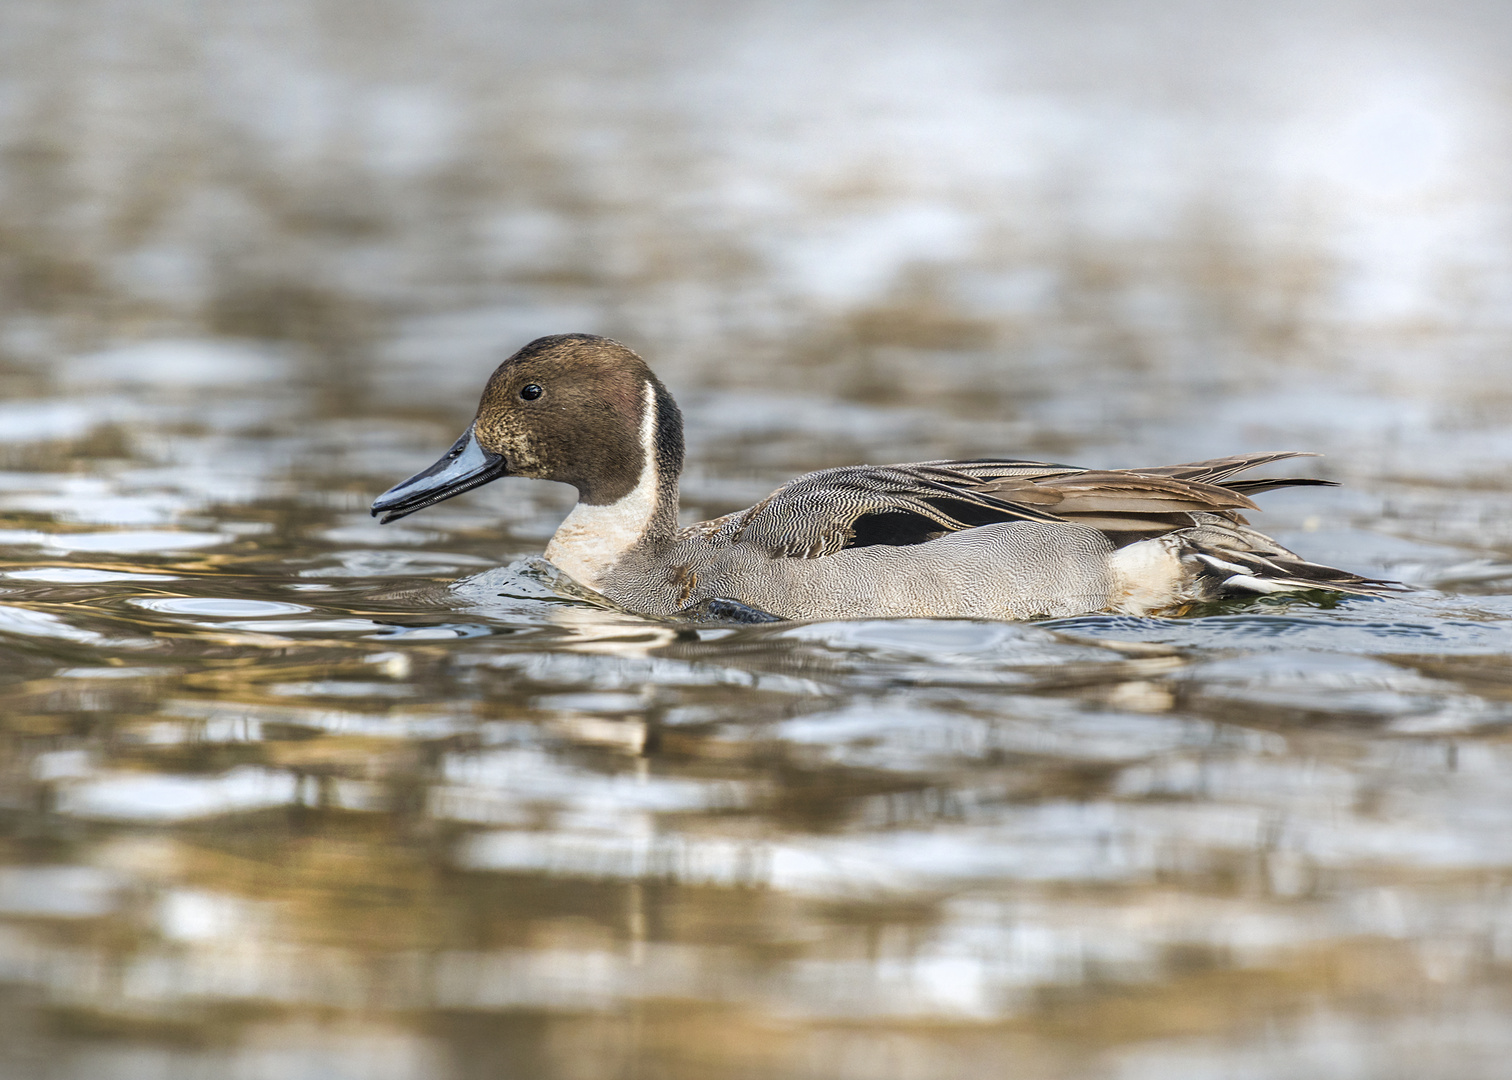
{"x":530,"y":391}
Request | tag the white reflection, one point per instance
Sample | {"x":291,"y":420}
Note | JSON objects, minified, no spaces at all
{"x":533,"y":775}
{"x":95,"y":500}
{"x":361,"y":529}
{"x":342,"y":688}
{"x":78,"y":575}
{"x":305,"y":626}
{"x":629,"y":855}
{"x":238,"y":722}
{"x":381,"y":563}
{"x":124,"y":542}
{"x":62,"y":765}
{"x":196,"y":915}
{"x":410,"y":129}
{"x":177,"y":365}
{"x":851,"y":258}
{"x":898,"y":734}
{"x":147,"y":797}
{"x":1393,"y":154}
{"x":115,"y":672}
{"x":592,"y":701}
{"x":33,"y":421}
{"x":1400,"y":136}
{"x":219,"y":606}
{"x":58,"y":892}
{"x":17,"y":620}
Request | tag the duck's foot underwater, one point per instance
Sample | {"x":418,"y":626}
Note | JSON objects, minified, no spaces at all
{"x":720,"y":610}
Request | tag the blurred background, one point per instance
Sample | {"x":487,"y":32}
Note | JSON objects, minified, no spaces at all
{"x":893,"y":201}
{"x":276,"y":802}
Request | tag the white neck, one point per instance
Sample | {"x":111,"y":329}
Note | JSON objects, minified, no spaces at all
{"x":592,"y":539}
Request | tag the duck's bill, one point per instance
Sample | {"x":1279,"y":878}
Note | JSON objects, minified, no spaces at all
{"x":465,"y":466}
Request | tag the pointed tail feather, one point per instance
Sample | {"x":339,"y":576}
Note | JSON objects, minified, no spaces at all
{"x":1271,"y":483}
{"x":1227,"y":573}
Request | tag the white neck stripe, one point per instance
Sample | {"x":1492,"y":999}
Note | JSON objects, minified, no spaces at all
{"x":593,"y":538}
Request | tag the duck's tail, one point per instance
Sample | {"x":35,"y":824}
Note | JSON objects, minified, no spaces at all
{"x":1219,"y":559}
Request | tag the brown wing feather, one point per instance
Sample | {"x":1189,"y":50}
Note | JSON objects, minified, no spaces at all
{"x":1119,"y":501}
{"x":823,"y":512}
{"x":1216,"y":470}
{"x":1119,"y":492}
{"x":1145,"y":501}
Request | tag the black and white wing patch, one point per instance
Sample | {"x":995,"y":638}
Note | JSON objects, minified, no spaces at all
{"x":857,"y":505}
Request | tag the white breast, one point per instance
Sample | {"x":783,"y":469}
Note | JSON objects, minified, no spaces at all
{"x":593,"y":538}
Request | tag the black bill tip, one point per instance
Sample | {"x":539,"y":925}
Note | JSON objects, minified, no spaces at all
{"x":465,"y":466}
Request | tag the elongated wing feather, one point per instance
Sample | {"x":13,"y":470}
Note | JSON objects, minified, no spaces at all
{"x":1119,"y":492}
{"x":1144,"y":501}
{"x":1217,"y":470}
{"x":823,"y":512}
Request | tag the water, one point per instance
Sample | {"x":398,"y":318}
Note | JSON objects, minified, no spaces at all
{"x":286,"y":793}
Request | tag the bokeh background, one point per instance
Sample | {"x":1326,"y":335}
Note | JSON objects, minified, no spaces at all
{"x":883,"y":201}
{"x":274,"y":802}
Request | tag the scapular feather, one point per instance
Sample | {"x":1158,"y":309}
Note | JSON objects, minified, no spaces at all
{"x":824,"y":512}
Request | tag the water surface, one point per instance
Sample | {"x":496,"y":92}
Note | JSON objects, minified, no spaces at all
{"x":286,"y":793}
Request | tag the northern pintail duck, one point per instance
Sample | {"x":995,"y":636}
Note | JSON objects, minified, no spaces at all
{"x":985,"y":538}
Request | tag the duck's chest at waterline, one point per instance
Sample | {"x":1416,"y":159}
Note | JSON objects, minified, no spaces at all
{"x":592,"y":540}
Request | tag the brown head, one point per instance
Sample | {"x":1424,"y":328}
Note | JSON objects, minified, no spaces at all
{"x":575,"y":408}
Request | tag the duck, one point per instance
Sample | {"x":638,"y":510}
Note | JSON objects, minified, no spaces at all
{"x":985,"y":538}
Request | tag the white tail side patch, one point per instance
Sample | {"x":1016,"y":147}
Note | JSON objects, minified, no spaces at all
{"x":1259,"y":585}
{"x":1221,"y":564}
{"x":592,"y":539}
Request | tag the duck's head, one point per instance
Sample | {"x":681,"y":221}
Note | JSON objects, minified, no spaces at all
{"x":576,"y":408}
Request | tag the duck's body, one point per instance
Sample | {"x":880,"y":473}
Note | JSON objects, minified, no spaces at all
{"x":987,"y":538}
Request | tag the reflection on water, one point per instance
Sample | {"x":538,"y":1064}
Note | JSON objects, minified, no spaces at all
{"x":284,"y":793}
